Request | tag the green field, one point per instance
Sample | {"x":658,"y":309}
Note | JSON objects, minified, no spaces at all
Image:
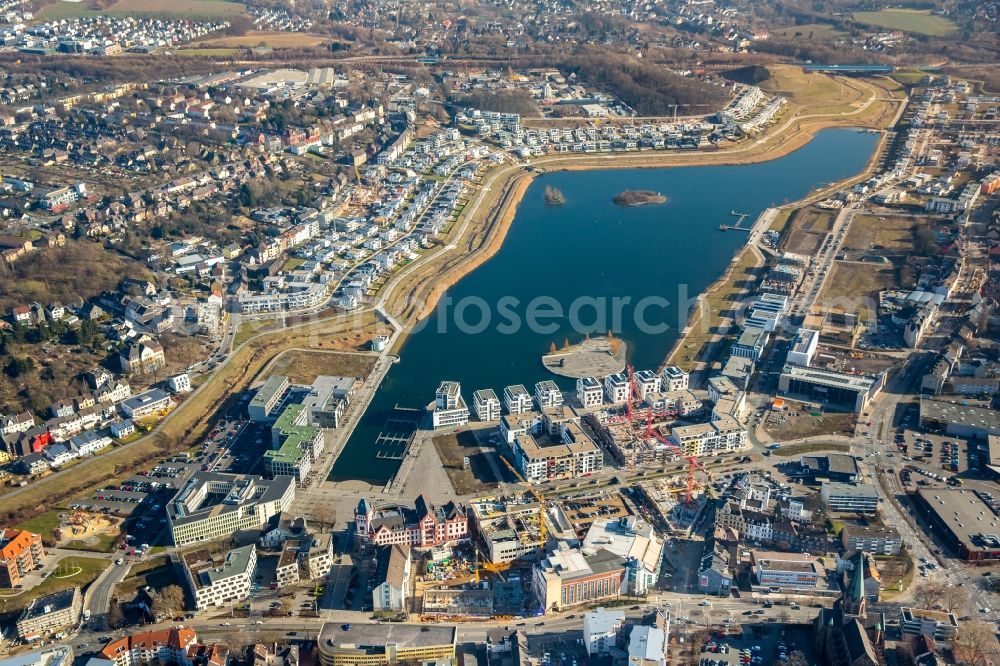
{"x":69,"y":572}
{"x":817,"y":31}
{"x":907,"y":20}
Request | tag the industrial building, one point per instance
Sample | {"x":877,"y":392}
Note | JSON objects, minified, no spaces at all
{"x":966,"y":421}
{"x":962,"y":519}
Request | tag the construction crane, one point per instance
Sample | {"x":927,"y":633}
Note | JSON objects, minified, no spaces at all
{"x":632,"y":398}
{"x":693,"y":463}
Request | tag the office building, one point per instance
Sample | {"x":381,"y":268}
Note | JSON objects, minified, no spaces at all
{"x":849,"y":498}
{"x":362,"y":644}
{"x":295,"y":445}
{"x":21,"y":552}
{"x":509,"y":526}
{"x":635,"y":541}
{"x":265,"y":404}
{"x":212,"y":505}
{"x":839,"y":467}
{"x":837,"y":390}
{"x":486,"y":404}
{"x":785,"y":570}
{"x":803,"y":347}
{"x":570,"y":577}
{"x":215,"y":583}
{"x":449,"y":408}
{"x":751,"y":343}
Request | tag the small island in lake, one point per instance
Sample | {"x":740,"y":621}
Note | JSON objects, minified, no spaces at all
{"x":554,"y":196}
{"x":639,"y":198}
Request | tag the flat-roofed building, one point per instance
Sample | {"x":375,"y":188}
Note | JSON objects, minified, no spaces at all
{"x":49,"y":614}
{"x":265,"y":403}
{"x":833,"y":389}
{"x":706,"y":439}
{"x":295,"y":445}
{"x":959,"y":420}
{"x":785,"y":570}
{"x":516,"y":399}
{"x":751,"y":343}
{"x":574,"y":454}
{"x":634,"y":540}
{"x":146,"y":404}
{"x":849,"y":498}
{"x":964,"y":520}
{"x":839,"y":467}
{"x":514,"y":425}
{"x":803,"y":347}
{"x":941,"y":625}
{"x":616,"y":388}
{"x":571,"y":577}
{"x":509,"y":527}
{"x":648,"y":384}
{"x":449,"y":408}
{"x":211,"y":505}
{"x":602,"y":630}
{"x":589,"y":392}
{"x":363,"y":644}
{"x":547,"y":394}
{"x":675,"y":379}
{"x":874,"y":539}
{"x":214,"y":582}
{"x":486,"y":404}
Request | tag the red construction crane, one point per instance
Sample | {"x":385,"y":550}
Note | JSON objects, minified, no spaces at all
{"x":693,"y":463}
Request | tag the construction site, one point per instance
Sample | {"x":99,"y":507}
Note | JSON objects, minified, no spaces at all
{"x":639,"y":437}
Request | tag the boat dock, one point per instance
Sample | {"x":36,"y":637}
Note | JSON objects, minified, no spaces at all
{"x":740,"y":217}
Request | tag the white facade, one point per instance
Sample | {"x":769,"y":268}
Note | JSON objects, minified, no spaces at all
{"x":486,"y":404}
{"x":589,"y":392}
{"x":675,"y":379}
{"x":601,"y":629}
{"x":517,"y":399}
{"x":180,"y":383}
{"x":616,"y":388}
{"x":803,"y":347}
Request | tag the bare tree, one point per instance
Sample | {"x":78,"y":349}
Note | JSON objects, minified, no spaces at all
{"x":168,"y":600}
{"x":974,"y":644}
{"x":953,"y":597}
{"x":927,"y":594}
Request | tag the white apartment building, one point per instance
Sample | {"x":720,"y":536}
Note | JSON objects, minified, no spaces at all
{"x":674,"y":379}
{"x":547,"y":394}
{"x":601,"y":629}
{"x":517,"y":399}
{"x":705,"y":439}
{"x":215,"y":583}
{"x":589,"y":392}
{"x":616,"y":388}
{"x":647,"y":383}
{"x":180,"y":383}
{"x":487,"y":405}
